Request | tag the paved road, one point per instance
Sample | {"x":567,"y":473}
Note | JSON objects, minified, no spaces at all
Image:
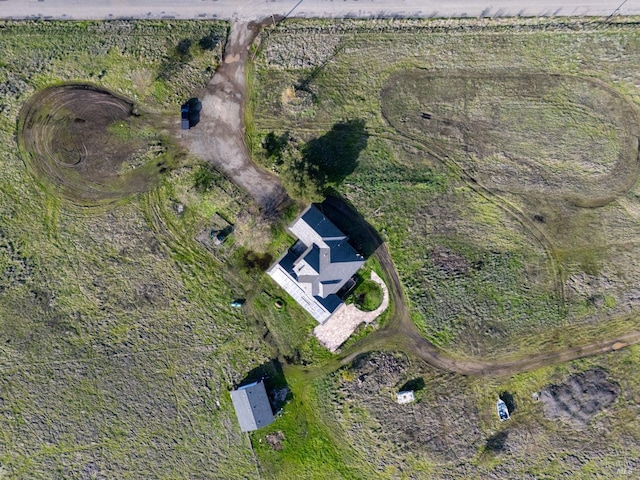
{"x":255,"y":9}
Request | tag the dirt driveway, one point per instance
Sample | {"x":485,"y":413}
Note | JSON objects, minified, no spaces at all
{"x":401,"y":333}
{"x":219,"y":139}
{"x":219,"y":136}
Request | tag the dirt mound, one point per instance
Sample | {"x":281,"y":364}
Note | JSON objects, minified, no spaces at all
{"x":377,"y":371}
{"x":580,"y":397}
{"x":275,"y":440}
{"x":90,"y":143}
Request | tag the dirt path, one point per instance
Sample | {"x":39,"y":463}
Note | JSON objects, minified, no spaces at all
{"x":219,"y":136}
{"x":408,"y":337}
{"x":219,"y":139}
{"x":402,"y":334}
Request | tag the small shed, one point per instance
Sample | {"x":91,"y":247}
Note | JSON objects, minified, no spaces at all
{"x":406,"y":396}
{"x":252,"y":406}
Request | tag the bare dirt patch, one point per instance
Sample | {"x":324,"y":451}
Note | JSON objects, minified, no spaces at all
{"x":219,"y":137}
{"x":90,"y":143}
{"x":580,"y":397}
{"x":296,"y":100}
{"x":275,"y":440}
{"x":448,"y":262}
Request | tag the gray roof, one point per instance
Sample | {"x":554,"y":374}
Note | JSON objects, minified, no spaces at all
{"x":252,"y":406}
{"x":313,"y":227}
{"x":318,"y":266}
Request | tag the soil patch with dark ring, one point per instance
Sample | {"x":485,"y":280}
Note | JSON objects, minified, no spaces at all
{"x":580,"y":397}
{"x":93,"y":145}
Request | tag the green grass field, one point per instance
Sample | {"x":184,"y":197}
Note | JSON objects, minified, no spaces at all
{"x":118,"y":343}
{"x":487,"y":206}
{"x":511,"y":216}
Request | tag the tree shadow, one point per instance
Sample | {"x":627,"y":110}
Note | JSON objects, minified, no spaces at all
{"x":256,"y":260}
{"x":509,"y":401}
{"x":275,"y":382}
{"x":360,"y":359}
{"x":183,"y":49}
{"x":177,"y":57}
{"x":329,"y":159}
{"x":275,"y":204}
{"x":274,"y":145}
{"x":415,"y":385}
{"x":210,"y":41}
{"x":195,"y":107}
{"x":497,"y":442}
{"x":343,"y":215}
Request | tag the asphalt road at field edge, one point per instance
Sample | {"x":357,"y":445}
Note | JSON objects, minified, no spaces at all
{"x":257,"y":9}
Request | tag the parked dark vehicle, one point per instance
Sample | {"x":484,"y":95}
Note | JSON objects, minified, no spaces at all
{"x":185,"y":116}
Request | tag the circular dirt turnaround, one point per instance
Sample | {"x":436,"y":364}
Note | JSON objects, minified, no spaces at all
{"x":89,"y":142}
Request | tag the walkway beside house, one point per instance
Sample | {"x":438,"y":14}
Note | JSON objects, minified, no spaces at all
{"x":335,"y":331}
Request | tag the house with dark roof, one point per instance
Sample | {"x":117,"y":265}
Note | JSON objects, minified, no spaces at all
{"x":252,"y":406}
{"x":318,"y":265}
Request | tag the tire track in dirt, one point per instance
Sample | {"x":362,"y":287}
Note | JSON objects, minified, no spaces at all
{"x":402,"y":334}
{"x":65,"y":135}
{"x":497,"y":200}
{"x":223,"y":116}
{"x":412,"y":341}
